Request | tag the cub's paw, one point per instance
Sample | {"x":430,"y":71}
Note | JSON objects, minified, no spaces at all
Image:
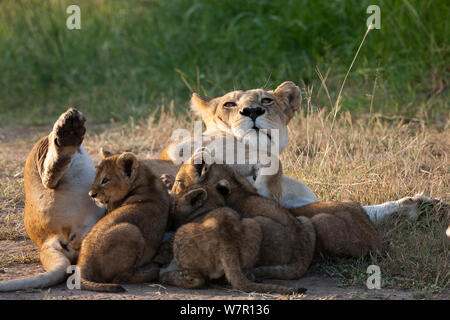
{"x":69,"y":129}
{"x":413,"y":206}
{"x":181,"y":278}
{"x":191,"y":280}
{"x":168,"y":180}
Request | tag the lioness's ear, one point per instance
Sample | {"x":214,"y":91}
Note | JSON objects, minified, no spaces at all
{"x":223,"y":186}
{"x":196,"y":197}
{"x":200,"y":105}
{"x":290,"y":96}
{"x":104,"y":153}
{"x":128,"y":163}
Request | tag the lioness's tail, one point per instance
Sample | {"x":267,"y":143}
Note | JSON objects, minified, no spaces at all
{"x":101,"y":287}
{"x":53,"y":260}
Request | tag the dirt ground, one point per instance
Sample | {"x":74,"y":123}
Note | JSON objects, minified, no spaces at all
{"x":319,"y":287}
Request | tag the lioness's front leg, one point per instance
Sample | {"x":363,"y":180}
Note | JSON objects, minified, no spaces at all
{"x":63,"y":142}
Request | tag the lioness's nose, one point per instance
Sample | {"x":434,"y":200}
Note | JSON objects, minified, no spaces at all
{"x":92,"y":194}
{"x":252,"y":112}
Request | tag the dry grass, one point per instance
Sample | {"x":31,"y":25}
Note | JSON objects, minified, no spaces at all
{"x":370,"y":160}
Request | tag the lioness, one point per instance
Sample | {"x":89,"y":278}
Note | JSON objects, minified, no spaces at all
{"x":212,"y":240}
{"x":128,"y":237}
{"x":251,"y":117}
{"x":58,"y":209}
{"x":240,"y":114}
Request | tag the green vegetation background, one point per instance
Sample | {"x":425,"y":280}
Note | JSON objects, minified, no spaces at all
{"x":131,"y":57}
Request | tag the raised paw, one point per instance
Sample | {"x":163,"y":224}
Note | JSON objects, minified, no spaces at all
{"x":69,"y":129}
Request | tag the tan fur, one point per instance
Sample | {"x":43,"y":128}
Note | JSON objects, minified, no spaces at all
{"x":128,"y":237}
{"x":58,"y":210}
{"x":342,"y":229}
{"x":275,"y":109}
{"x":213,"y":240}
{"x":288,"y":243}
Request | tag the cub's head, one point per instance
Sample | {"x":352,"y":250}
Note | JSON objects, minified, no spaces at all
{"x":187,"y":175}
{"x":197,"y":200}
{"x":242,"y":112}
{"x":208,"y":175}
{"x":114,"y":177}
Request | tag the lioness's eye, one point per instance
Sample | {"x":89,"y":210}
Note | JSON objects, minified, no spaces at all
{"x":105,"y":180}
{"x":229,"y":104}
{"x":266,"y":100}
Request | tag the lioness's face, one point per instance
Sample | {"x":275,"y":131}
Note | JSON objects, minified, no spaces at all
{"x":241,"y":113}
{"x":114,"y":178}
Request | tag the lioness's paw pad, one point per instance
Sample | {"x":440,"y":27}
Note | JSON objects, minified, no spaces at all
{"x":69,"y":130}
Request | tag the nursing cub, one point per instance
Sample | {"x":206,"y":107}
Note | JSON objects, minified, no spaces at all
{"x":213,"y":240}
{"x":288,"y":242}
{"x":342,"y":228}
{"x":121,"y":244}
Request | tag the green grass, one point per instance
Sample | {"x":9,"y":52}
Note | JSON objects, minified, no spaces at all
{"x":131,"y":56}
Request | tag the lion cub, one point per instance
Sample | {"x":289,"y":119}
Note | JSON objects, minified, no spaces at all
{"x":288,"y":243}
{"x":128,"y":237}
{"x":342,"y":228}
{"x":212,"y":240}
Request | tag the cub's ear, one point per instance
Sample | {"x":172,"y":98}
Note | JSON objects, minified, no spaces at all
{"x":128,"y":164}
{"x":223,"y":186}
{"x":290,"y":96}
{"x":196,"y":197}
{"x":104,"y":153}
{"x":200,"y":105}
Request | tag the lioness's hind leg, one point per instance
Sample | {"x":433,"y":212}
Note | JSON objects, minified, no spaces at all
{"x":63,"y":142}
